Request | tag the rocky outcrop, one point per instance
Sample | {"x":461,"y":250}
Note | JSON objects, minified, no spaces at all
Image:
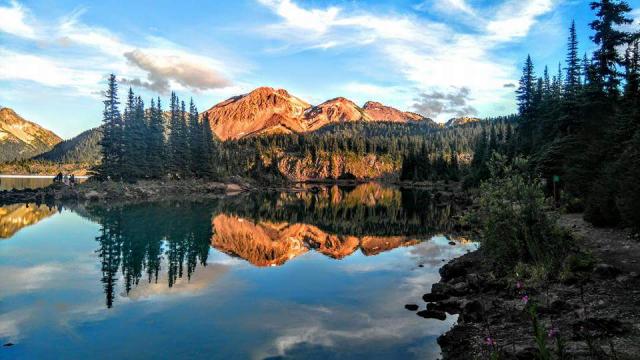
{"x":338,"y":110}
{"x":267,"y":111}
{"x":21,"y":139}
{"x":337,"y":166}
{"x":461,"y":121}
{"x":379,"y":112}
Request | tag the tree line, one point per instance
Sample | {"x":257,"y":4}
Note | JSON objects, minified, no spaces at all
{"x":581,"y":127}
{"x":149,"y":143}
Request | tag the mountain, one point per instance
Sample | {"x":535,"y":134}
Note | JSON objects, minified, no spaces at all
{"x":378,"y":112}
{"x":338,"y":110}
{"x":267,"y":111}
{"x":84,"y":148}
{"x":22,"y":139}
{"x":459,"y":121}
{"x":264,"y":110}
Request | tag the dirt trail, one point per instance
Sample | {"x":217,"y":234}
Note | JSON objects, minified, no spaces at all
{"x":616,"y":247}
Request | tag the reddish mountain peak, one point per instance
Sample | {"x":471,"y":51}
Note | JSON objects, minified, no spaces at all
{"x":268,"y":110}
{"x":379,"y":112}
{"x":372,"y":105}
{"x":256,"y":112}
{"x":339,"y":109}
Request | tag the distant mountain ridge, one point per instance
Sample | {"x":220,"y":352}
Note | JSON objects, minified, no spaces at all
{"x":22,"y":139}
{"x":460,"y":121}
{"x":83,"y":148}
{"x":267,"y":110}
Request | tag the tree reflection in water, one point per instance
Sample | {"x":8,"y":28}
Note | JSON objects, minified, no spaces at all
{"x":266,"y":229}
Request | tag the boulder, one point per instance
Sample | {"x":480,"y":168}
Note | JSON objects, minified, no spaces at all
{"x":411,"y":307}
{"x":606,"y":271}
{"x":454,"y":269}
{"x":432,"y":314}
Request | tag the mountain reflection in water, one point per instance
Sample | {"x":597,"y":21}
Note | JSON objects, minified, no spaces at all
{"x":17,"y":216}
{"x":322,"y":273}
{"x":138,"y":241}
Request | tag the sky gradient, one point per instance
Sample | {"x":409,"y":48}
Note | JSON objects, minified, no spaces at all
{"x":441,"y":58}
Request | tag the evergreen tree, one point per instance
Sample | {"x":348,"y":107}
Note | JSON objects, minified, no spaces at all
{"x":134,"y":164}
{"x":155,"y":141}
{"x":178,"y":140}
{"x":526,"y":89}
{"x":570,"y":110}
{"x":196,"y":134}
{"x":526,"y":95}
{"x":111,"y":143}
{"x":610,"y":14}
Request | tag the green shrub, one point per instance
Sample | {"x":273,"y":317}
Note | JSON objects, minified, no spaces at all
{"x":517,"y":222}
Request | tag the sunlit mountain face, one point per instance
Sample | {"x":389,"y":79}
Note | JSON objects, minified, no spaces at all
{"x":15,"y":217}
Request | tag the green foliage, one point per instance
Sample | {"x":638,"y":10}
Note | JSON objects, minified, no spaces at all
{"x":580,"y":128}
{"x":133,"y":146}
{"x":84,"y":148}
{"x":539,"y":333}
{"x":516,"y":222}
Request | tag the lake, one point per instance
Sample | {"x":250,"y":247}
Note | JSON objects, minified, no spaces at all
{"x":313,"y":275}
{"x":10,"y":182}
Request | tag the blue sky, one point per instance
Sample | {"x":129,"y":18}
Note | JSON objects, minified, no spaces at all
{"x":442,"y":58}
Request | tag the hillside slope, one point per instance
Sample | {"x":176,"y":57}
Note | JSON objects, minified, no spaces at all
{"x":84,"y":148}
{"x":22,"y":139}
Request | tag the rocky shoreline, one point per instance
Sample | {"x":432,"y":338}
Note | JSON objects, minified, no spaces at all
{"x":589,"y":311}
{"x":93,"y":191}
{"x":153,"y":190}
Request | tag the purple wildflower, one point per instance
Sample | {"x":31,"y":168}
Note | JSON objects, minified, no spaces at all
{"x":525,"y":299}
{"x":553,"y":332}
{"x":519,"y":285}
{"x":489,"y":341}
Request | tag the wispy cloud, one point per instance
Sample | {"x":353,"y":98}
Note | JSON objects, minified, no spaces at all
{"x":430,"y":54}
{"x":13,"y":21}
{"x":446,"y":6}
{"x":83,"y":55}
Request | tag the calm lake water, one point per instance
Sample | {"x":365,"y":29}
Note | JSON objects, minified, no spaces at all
{"x":8,"y":182}
{"x":319,"y":275}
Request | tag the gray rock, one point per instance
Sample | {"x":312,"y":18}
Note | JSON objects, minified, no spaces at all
{"x":606,"y":271}
{"x":432,"y":314}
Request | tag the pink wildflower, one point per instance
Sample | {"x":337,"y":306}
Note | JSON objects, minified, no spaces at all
{"x":489,"y":341}
{"x":525,"y":299}
{"x":519,"y":285}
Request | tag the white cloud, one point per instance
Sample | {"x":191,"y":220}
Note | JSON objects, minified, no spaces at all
{"x":72,"y":32}
{"x":12,"y":21}
{"x":446,"y":6}
{"x":77,"y":57}
{"x":46,"y":71}
{"x":430,"y":54}
{"x":515,"y":18}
